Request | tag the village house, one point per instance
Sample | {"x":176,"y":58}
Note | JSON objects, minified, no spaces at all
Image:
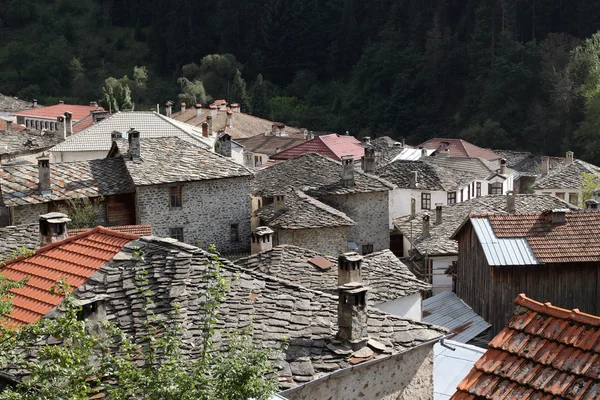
{"x":361,"y":197}
{"x":425,"y":239}
{"x":316,"y":336}
{"x":332,"y":146}
{"x":258,"y":149}
{"x":392,"y":287}
{"x":187,"y":193}
{"x":552,"y":255}
{"x":46,"y":118}
{"x":459,"y":148}
{"x":20,"y":144}
{"x":543,"y":352}
{"x":528,"y":167}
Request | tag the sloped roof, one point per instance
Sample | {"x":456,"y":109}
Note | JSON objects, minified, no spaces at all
{"x":429,"y":175}
{"x":451,"y":363}
{"x":479,"y":167}
{"x":387,"y":148}
{"x":51,"y":112}
{"x":513,"y":157}
{"x":83,"y":123}
{"x":15,"y":127}
{"x":140,"y":230}
{"x":333,"y":146}
{"x":25,"y":141}
{"x":544,"y":352}
{"x":387,"y":277}
{"x":171,"y":159}
{"x":74,"y":259}
{"x":13,"y":238}
{"x":439,"y":242}
{"x":103,"y":177}
{"x":269,"y":144}
{"x":459,"y":148}
{"x":526,"y":164}
{"x":315,"y":175}
{"x":412,"y":154}
{"x":566,"y":177}
{"x":150,"y":125}
{"x":12,"y":104}
{"x":301,"y":211}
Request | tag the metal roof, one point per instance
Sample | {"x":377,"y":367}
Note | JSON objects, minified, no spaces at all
{"x":502,"y":251}
{"x":412,"y":154}
{"x":448,"y":310}
{"x":450,"y":366}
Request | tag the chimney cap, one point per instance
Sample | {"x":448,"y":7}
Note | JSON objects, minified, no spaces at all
{"x":213,"y":107}
{"x":169,"y":103}
{"x":61,"y":102}
{"x":198,"y":105}
{"x":55,"y":218}
{"x":262,"y":230}
{"x":229,"y":112}
{"x":351,"y":256}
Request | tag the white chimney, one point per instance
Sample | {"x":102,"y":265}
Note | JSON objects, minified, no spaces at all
{"x":510,"y":202}
{"x":60,"y":127}
{"x":235,"y":107}
{"x":414,"y":179}
{"x":545,"y":165}
{"x":229,"y":118}
{"x":262,"y":239}
{"x":68,"y":123}
{"x":182,"y":107}
{"x":53,"y":228}
{"x":34,"y":103}
{"x":8,"y":126}
{"x":213,"y":111}
{"x":198,"y":110}
{"x":502,"y":166}
{"x":348,"y":170}
{"x":169,"y":108}
{"x":44,"y":175}
{"x":570,"y":157}
{"x":368,"y":160}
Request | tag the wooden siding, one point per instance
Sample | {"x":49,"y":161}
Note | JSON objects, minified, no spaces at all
{"x":490,"y":291}
{"x":120,"y":209}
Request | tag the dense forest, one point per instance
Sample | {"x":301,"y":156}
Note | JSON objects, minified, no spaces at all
{"x":521,"y":74}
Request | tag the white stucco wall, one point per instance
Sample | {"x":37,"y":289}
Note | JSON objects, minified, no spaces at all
{"x":567,"y":192}
{"x":409,"y":307}
{"x":70,"y":156}
{"x":400,"y":201}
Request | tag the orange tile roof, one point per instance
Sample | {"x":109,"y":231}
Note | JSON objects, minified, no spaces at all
{"x":83,"y":123}
{"x":141,"y":230}
{"x":15,"y":127}
{"x":333,"y":146}
{"x":460,"y":148}
{"x":544,"y":352}
{"x":51,"y":112}
{"x":74,"y":259}
{"x":576,"y":240}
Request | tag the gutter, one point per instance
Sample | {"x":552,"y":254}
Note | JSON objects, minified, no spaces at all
{"x":348,"y":370}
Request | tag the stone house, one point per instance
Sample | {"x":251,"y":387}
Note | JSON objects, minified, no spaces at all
{"x":258,"y":149}
{"x":323,"y":334}
{"x":529,"y":167}
{"x":19,"y":144}
{"x":360,"y":196}
{"x":188,"y":193}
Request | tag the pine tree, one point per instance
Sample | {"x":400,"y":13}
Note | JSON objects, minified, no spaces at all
{"x":260,"y":102}
{"x":238,"y":93}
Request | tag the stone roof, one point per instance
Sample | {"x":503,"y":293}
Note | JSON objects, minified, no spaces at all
{"x":11,"y":104}
{"x":513,"y":157}
{"x":387,"y":277}
{"x":439,"y":242}
{"x":25,"y":141}
{"x":12,"y":238}
{"x":429,"y":175}
{"x":333,"y":146}
{"x":71,"y":180}
{"x":301,"y":211}
{"x":459,"y":148}
{"x":566,"y":177}
{"x":315,"y":175}
{"x":478,"y":167}
{"x":387,"y":149}
{"x":171,"y":159}
{"x":150,"y":125}
{"x":270,"y":144}
{"x":544,"y":352}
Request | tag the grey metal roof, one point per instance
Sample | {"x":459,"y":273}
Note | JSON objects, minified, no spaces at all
{"x":150,"y":125}
{"x":448,"y":310}
{"x":412,"y":154}
{"x":450,"y":366}
{"x":502,"y":251}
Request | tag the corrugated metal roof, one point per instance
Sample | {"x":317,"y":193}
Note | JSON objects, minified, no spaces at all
{"x":412,"y":154}
{"x":448,"y":310}
{"x":502,"y":251}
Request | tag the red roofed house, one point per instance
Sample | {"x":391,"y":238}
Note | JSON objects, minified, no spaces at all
{"x":544,"y":352}
{"x":459,"y":148}
{"x":333,"y":146}
{"x":554,"y":255}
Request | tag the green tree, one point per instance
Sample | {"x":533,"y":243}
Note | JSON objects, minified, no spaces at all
{"x":238,"y":93}
{"x":590,"y":183}
{"x":116,"y":95}
{"x":192,"y":92}
{"x":260,"y":100}
{"x":216,"y":72}
{"x":83,"y":212}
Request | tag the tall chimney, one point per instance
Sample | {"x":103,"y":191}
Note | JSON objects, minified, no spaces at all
{"x":34,"y":103}
{"x":133,"y":137}
{"x":423,"y":152}
{"x":368,"y":160}
{"x":545,"y":165}
{"x":274,"y":129}
{"x":68,"y":123}
{"x":182,"y":107}
{"x":570,"y":157}
{"x":213,"y":110}
{"x":169,"y":108}
{"x":403,"y":142}
{"x":279,"y":201}
{"x":502,"y":166}
{"x":198,"y":110}
{"x":229,"y":118}
{"x":9,"y":126}
{"x":261,"y":239}
{"x":348,"y":170}
{"x":413,"y":208}
{"x":352,"y":301}
{"x":225,"y":145}
{"x":413,"y":179}
{"x":510,"y":202}
{"x":349,"y":268}
{"x":115,"y":135}
{"x":60,"y":127}
{"x":425,"y":230}
{"x":235,"y":107}
{"x":53,"y":228}
{"x":209,"y":121}
{"x":44,"y":175}
{"x":438,"y":213}
{"x":205,"y":129}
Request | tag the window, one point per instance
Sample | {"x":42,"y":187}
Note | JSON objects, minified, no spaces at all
{"x":177,"y":233}
{"x":451,"y":198}
{"x":478,"y":188}
{"x":461,"y":195}
{"x":560,"y":195}
{"x":496,"y":188}
{"x":175,"y":196}
{"x":573,"y":198}
{"x":46,"y":125}
{"x":234,"y":232}
{"x":425,"y":201}
{"x":257,"y":161}
{"x":367,"y":249}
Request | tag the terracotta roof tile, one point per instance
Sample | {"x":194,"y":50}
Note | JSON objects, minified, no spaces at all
{"x":333,"y":146}
{"x":459,"y":148}
{"x":544,"y":352}
{"x":74,"y":259}
{"x":51,"y":112}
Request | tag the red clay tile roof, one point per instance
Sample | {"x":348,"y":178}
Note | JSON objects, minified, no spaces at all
{"x":15,"y":127}
{"x":576,"y":240}
{"x":74,"y":259}
{"x":51,"y":112}
{"x":544,"y":352}
{"x":460,"y":148}
{"x":140,"y":230}
{"x":83,"y":123}
{"x":333,"y":146}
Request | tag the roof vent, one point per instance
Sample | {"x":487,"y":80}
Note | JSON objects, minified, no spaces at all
{"x":557,"y":216}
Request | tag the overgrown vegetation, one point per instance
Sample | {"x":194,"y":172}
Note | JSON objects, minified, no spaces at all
{"x":83,"y":212}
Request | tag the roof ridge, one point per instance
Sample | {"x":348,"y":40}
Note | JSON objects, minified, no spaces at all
{"x":557,"y":312}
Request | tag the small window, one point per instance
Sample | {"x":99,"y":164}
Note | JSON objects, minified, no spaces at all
{"x":478,"y":188}
{"x":573,"y":198}
{"x":46,"y":125}
{"x":175,"y":196}
{"x":496,"y":188}
{"x":234,"y":232}
{"x":367,"y":249}
{"x":426,"y":201}
{"x":177,"y":233}
{"x":257,"y":161}
{"x":87,"y":311}
{"x":560,"y":195}
{"x":451,"y":198}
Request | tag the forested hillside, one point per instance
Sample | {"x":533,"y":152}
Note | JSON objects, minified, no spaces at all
{"x":521,"y":74}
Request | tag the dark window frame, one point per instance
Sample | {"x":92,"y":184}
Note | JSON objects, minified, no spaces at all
{"x":367,"y":249}
{"x":176,"y":233}
{"x":425,"y":200}
{"x":451,"y":198}
{"x":478,"y":189}
{"x":176,"y":197}
{"x":496,"y":188}
{"x":234,"y":232}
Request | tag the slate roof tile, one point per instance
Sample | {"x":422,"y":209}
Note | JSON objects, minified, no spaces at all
{"x":459,"y":148}
{"x":567,"y":176}
{"x":429,"y":175}
{"x":25,"y":141}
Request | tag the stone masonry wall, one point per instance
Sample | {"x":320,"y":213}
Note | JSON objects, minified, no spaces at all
{"x":370,"y":211}
{"x":408,"y":376}
{"x":329,"y":241}
{"x":208,"y":210}
{"x":29,"y":214}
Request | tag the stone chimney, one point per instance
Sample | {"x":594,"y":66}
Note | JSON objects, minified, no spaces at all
{"x":413,"y":208}
{"x":591,"y":204}
{"x":225,"y":145}
{"x":570,"y":157}
{"x":274,"y":129}
{"x":235,"y":107}
{"x":68,"y":123}
{"x":99,"y":115}
{"x":169,"y":108}
{"x":413,"y":179}
{"x":53,"y":228}
{"x":557,"y":216}
{"x":444,"y":152}
{"x":44,"y":175}
{"x":229,"y":119}
{"x":34,"y":103}
{"x":213,"y":111}
{"x":366,"y":140}
{"x":545,"y":165}
{"x":182,"y":107}
{"x":438,"y":213}
{"x":368,"y":160}
{"x":9,"y":126}
{"x":279,"y":201}
{"x":198,"y":108}
{"x":510,"y":202}
{"x":133,"y":138}
{"x":60,"y":127}
{"x":262,"y":239}
{"x":425,"y":232}
{"x":352,"y":301}
{"x":502,"y":163}
{"x":116,"y":135}
{"x":205,"y":129}
{"x":348,"y":170}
